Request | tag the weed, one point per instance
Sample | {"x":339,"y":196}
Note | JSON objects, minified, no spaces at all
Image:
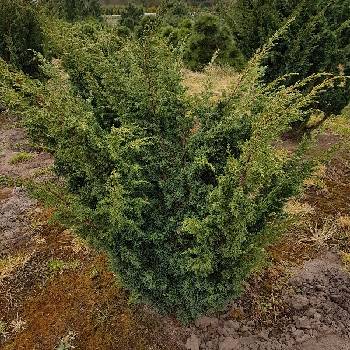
{"x":345,"y":257}
{"x":3,"y":330}
{"x":17,"y":324}
{"x":21,"y":157}
{"x":43,"y":171}
{"x":56,"y":265}
{"x":295,"y":208}
{"x":66,"y":342}
{"x":344,"y":222}
{"x":38,"y":239}
{"x":94,"y":273}
{"x":6,"y":181}
{"x":78,"y":245}
{"x":321,"y":235}
{"x":317,"y":179}
{"x":12,"y":263}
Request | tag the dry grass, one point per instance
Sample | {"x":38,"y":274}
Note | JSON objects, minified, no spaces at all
{"x":317,"y":178}
{"x":320,"y":235}
{"x":18,"y":324}
{"x":12,"y":263}
{"x":58,"y":265}
{"x":3,"y":330}
{"x":344,"y":222}
{"x":220,"y":79}
{"x":66,"y":342}
{"x":295,"y":208}
{"x":78,"y":245}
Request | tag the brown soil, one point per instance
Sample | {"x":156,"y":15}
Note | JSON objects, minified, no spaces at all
{"x":54,"y":290}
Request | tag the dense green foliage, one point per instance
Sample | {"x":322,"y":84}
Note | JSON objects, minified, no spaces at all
{"x":210,"y":36}
{"x":91,"y":66}
{"x":179,"y":192}
{"x":317,"y":41}
{"x":20,"y":34}
{"x":173,"y":11}
{"x":73,"y":10}
{"x":131,"y":16}
{"x":253,"y":22}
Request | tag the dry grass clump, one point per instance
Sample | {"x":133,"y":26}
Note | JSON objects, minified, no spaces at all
{"x":218,"y":78}
{"x":344,"y":222}
{"x":18,"y":324}
{"x":10,"y":264}
{"x":296,"y":208}
{"x":317,"y":178}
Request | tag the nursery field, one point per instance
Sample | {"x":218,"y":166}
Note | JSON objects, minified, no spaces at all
{"x":178,"y":181}
{"x":57,"y":293}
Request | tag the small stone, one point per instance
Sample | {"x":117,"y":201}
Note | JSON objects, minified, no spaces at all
{"x":226,"y":332}
{"x":298,"y":334}
{"x":264,"y":334}
{"x":245,"y":329}
{"x":317,"y":316}
{"x":192,"y":342}
{"x":250,"y":323}
{"x":303,"y":322}
{"x":229,"y":344}
{"x":336,"y":298}
{"x":299,"y":302}
{"x":233,"y":324}
{"x":311,"y":312}
{"x":205,"y":322}
{"x":303,"y":338}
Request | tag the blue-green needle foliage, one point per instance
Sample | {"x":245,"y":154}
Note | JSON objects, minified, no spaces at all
{"x":181,"y":193}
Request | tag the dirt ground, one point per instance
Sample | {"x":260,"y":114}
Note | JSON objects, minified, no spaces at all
{"x":56,"y":293}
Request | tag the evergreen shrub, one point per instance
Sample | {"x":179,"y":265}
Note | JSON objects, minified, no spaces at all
{"x":210,"y":36}
{"x":181,"y":193}
{"x":131,"y":16}
{"x":73,"y":10}
{"x":318,"y":40}
{"x":20,"y":34}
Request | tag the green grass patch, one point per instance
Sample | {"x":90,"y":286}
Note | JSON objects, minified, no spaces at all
{"x":21,"y":157}
{"x":57,"y":265}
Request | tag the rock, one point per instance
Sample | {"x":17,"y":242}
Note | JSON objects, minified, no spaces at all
{"x":299,"y":302}
{"x":303,"y":338}
{"x":229,"y":344}
{"x":317,"y":316}
{"x":205,"y":322}
{"x":298,"y":333}
{"x":303,"y":322}
{"x":224,"y":331}
{"x":245,"y":329}
{"x":192,"y":342}
{"x":311,"y":312}
{"x":233,"y":324}
{"x":264,"y":334}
